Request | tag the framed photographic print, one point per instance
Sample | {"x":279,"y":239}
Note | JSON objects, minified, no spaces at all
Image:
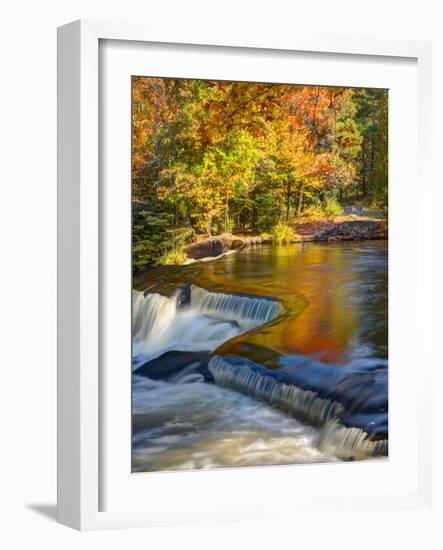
{"x":239,"y":271}
{"x":260,"y":269}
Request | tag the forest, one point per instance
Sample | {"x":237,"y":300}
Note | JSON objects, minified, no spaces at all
{"x":213,"y":157}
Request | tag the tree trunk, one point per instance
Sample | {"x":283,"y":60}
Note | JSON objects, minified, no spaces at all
{"x":300,"y":203}
{"x":226,"y":215}
{"x":372,"y":164}
{"x":363,"y":172}
{"x":288,"y":200}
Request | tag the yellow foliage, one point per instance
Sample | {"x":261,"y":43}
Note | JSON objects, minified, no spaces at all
{"x":283,"y":233}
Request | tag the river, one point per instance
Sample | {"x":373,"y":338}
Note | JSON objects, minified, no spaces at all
{"x":298,"y":342}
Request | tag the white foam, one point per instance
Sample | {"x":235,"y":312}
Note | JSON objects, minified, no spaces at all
{"x":248,"y":311}
{"x":210,"y":319}
{"x":204,"y":426}
{"x":302,"y":404}
{"x":335,"y":439}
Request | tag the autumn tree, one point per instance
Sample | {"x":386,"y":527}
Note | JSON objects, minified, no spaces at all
{"x":212,"y":156}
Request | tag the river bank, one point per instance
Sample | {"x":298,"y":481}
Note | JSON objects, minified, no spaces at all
{"x":351,"y":228}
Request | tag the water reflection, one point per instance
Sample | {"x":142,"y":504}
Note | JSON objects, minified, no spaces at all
{"x":330,"y":345}
{"x":335,"y":295}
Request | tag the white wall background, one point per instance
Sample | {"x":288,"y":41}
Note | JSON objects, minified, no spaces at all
{"x":28,"y":254}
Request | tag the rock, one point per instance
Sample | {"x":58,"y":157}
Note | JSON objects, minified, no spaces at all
{"x":211,"y":247}
{"x":352,"y":231}
{"x":204,"y":249}
{"x":226,"y":240}
{"x":184,"y":297}
{"x":215,"y":246}
{"x":352,"y":210}
{"x":237,"y":243}
{"x":172,"y":362}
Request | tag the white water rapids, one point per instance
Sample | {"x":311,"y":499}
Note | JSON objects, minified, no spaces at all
{"x":211,"y":318}
{"x":184,"y":424}
{"x":244,"y":419}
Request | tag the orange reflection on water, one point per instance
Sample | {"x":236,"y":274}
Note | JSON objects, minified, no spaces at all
{"x":335,"y":295}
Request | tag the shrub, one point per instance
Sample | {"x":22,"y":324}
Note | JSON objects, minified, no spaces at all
{"x":332,"y":208}
{"x":173,"y":257}
{"x":283,"y":233}
{"x":155,"y":241}
{"x":266,"y":236}
{"x":313,"y":213}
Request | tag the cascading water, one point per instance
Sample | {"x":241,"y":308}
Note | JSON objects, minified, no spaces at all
{"x":186,"y":424}
{"x":255,"y":381}
{"x":350,"y":443}
{"x":152,"y":315}
{"x":302,"y":404}
{"x":260,"y":410}
{"x":182,"y":426}
{"x":248,"y":311}
{"x":160,"y":325}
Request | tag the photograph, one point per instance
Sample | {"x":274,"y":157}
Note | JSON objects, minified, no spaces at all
{"x":232,"y":218}
{"x":259,"y":274}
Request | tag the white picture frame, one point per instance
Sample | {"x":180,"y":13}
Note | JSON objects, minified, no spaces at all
{"x":80,"y":393}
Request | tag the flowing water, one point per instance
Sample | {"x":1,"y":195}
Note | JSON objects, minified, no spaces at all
{"x":298,"y":365}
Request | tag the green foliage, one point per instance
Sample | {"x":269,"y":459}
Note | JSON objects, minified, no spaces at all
{"x":211,"y":157}
{"x":173,"y":257}
{"x":313,"y":213}
{"x":154,"y":239}
{"x":329,"y":208}
{"x":283,"y":233}
{"x":380,"y":168}
{"x":332,"y":208}
{"x":267,"y":207}
{"x":372,"y":119}
{"x":266,"y":236}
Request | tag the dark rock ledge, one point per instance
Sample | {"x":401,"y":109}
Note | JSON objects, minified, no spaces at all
{"x":216,"y":246}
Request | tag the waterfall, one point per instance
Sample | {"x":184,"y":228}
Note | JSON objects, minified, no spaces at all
{"x":248,"y":311}
{"x":152,"y":315}
{"x":350,"y":443}
{"x":206,"y":320}
{"x":162,"y":324}
{"x":259,"y":383}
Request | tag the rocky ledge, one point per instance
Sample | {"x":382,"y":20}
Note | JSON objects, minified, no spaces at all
{"x":216,"y":246}
{"x":357,"y":230}
{"x":324,"y":231}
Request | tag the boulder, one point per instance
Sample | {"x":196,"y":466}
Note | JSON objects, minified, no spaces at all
{"x":226,"y":241}
{"x":172,"y":362}
{"x":184,"y":296}
{"x":205,"y":249}
{"x":215,"y":246}
{"x":237,"y":243}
